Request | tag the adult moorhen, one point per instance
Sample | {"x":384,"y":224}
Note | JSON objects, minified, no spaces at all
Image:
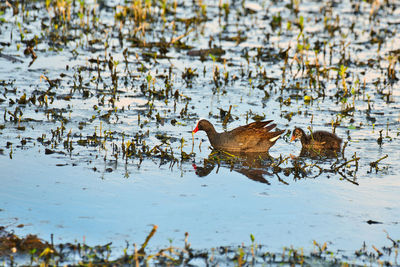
{"x":253,"y":137}
{"x":317,"y":141}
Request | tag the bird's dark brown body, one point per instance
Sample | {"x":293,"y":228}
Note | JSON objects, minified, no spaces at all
{"x":318,"y":140}
{"x":253,"y":137}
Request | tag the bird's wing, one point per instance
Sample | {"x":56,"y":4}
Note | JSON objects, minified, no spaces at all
{"x":253,"y":126}
{"x":252,"y":137}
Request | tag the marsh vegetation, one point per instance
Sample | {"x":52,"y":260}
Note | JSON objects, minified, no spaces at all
{"x":98,"y":100}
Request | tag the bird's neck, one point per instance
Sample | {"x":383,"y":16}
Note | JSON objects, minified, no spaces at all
{"x":212,"y":134}
{"x":305,"y":139}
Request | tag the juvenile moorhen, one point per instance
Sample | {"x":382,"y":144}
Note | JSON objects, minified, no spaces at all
{"x":253,"y":137}
{"x":317,"y":141}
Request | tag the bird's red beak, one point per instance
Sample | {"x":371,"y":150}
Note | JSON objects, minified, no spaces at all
{"x":293,"y":138}
{"x":196,"y":129}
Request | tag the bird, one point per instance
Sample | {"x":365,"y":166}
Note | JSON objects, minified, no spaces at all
{"x":254,"y":137}
{"x":318,"y":140}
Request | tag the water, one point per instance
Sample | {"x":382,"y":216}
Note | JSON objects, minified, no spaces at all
{"x":86,"y":191}
{"x":223,"y":208}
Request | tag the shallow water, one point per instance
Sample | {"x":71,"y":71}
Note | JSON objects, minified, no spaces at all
{"x":87,"y":191}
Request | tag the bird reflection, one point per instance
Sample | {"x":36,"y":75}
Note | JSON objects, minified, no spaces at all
{"x":252,"y":165}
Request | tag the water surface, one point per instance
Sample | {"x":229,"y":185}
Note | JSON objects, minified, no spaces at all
{"x":101,"y":85}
